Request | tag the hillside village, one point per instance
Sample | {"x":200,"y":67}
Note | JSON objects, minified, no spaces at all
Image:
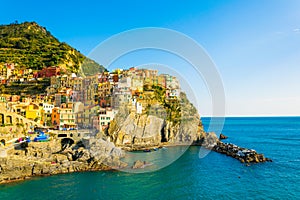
{"x":71,"y":102}
{"x":80,"y":120}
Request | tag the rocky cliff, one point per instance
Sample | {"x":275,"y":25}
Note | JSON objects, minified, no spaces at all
{"x":50,"y":158}
{"x":157,"y":125}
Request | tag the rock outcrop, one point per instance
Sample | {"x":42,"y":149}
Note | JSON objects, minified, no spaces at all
{"x":177,"y":125}
{"x":210,"y":140}
{"x":140,"y":131}
{"x":223,"y":137}
{"x":48,"y":158}
{"x":138,"y":164}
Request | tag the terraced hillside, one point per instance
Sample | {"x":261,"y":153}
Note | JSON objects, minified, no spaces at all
{"x":32,"y":46}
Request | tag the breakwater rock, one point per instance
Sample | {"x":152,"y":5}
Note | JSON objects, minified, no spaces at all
{"x":242,"y":154}
{"x":48,"y":158}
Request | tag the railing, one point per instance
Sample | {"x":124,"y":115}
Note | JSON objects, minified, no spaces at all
{"x":75,"y":134}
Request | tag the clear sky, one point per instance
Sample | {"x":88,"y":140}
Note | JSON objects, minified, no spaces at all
{"x":254,"y":44}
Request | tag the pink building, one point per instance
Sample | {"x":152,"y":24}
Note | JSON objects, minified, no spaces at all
{"x":49,"y":72}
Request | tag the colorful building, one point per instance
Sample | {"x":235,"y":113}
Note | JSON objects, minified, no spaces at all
{"x":48,"y":72}
{"x":63,"y":117}
{"x":33,"y":112}
{"x":105,"y":117}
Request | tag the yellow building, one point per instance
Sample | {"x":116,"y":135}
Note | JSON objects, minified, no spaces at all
{"x":33,"y":112}
{"x":104,"y":89}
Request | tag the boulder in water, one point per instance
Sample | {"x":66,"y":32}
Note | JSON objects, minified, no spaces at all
{"x":223,"y":137}
{"x":138,"y":164}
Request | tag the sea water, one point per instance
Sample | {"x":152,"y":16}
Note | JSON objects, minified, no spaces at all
{"x":216,"y":176}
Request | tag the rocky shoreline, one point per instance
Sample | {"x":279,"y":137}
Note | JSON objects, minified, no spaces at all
{"x":48,"y":158}
{"x":95,"y":154}
{"x":37,"y":159}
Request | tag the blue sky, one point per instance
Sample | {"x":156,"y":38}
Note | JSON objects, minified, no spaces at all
{"x":254,"y":44}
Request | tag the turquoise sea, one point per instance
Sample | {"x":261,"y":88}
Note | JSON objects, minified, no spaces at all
{"x":215,"y":176}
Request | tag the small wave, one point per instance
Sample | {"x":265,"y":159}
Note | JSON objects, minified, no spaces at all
{"x":289,"y":139}
{"x":296,"y":160}
{"x":287,"y":165}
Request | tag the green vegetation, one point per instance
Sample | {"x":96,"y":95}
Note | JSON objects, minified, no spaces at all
{"x":32,"y":46}
{"x":172,"y":106}
{"x":32,"y":88}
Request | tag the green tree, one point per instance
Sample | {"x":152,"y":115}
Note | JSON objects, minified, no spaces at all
{"x":20,"y":45}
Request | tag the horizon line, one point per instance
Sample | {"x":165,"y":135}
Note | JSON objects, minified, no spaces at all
{"x":227,"y":116}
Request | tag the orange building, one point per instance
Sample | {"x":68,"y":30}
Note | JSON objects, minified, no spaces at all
{"x":63,"y":116}
{"x":55,"y":116}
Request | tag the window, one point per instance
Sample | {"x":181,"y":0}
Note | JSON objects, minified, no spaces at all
{"x":107,"y":118}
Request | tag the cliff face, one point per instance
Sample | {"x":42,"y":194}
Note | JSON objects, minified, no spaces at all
{"x":49,"y":158}
{"x":133,"y":131}
{"x":137,"y":131}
